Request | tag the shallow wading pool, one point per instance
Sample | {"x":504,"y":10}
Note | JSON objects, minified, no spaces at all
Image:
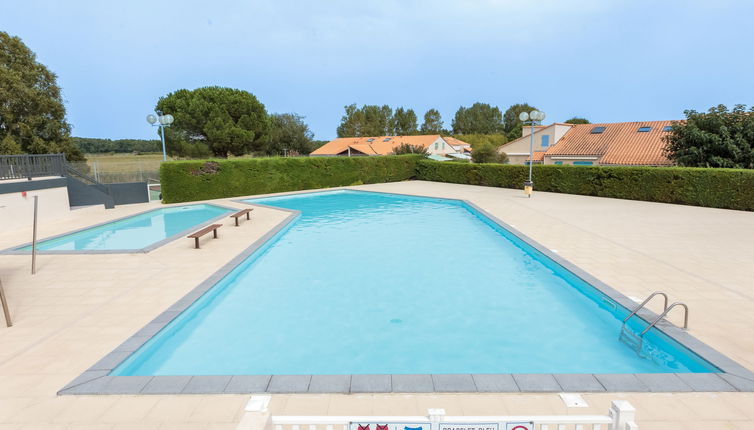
{"x":133,"y":233}
{"x":373,"y":283}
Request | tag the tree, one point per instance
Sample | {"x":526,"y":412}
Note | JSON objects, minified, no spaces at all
{"x":404,"y":122}
{"x":289,"y":133}
{"x":718,"y":138}
{"x":369,"y":120}
{"x":577,"y":120}
{"x":480,"y":139}
{"x":432,"y":122}
{"x":513,"y":124}
{"x":225,"y":120}
{"x":92,"y":145}
{"x":8,"y":146}
{"x":487,"y":153}
{"x":480,"y":118}
{"x":407,"y":148}
{"x":32,"y":113}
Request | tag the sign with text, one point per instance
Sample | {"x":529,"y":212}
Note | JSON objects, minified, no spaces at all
{"x":389,"y":426}
{"x":469,"y":426}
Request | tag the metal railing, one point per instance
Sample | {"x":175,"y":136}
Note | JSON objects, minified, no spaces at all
{"x":28,"y":166}
{"x":644,"y":303}
{"x":685,"y":316}
{"x":83,"y":177}
{"x":621,"y":416}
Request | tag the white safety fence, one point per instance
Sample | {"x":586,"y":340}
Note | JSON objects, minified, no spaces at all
{"x":621,"y":416}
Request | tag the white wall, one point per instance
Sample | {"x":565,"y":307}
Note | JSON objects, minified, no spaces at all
{"x":443,"y":147}
{"x":18,"y":211}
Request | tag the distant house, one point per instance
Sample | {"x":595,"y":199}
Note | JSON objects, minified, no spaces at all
{"x":620,"y":143}
{"x":384,"y":145}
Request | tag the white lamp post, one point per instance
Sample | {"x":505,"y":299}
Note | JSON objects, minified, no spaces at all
{"x":161,"y":121}
{"x":533,"y":117}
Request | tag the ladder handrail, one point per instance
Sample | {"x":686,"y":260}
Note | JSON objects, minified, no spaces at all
{"x":685,"y":317}
{"x":638,"y":308}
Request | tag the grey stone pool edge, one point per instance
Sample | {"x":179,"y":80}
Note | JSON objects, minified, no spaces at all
{"x":14,"y":250}
{"x":97,"y":379}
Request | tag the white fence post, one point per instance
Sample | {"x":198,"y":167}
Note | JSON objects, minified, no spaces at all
{"x":623,"y":414}
{"x":435,"y":417}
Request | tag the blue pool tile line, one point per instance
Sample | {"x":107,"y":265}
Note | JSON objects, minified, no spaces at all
{"x":97,"y":379}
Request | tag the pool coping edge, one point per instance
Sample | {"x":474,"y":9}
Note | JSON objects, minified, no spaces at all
{"x":97,"y":379}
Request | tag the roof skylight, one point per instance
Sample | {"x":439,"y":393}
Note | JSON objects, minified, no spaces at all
{"x":598,"y":130}
{"x":644,"y":129}
{"x":667,"y":128}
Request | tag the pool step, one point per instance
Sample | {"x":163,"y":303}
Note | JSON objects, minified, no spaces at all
{"x":631,"y":339}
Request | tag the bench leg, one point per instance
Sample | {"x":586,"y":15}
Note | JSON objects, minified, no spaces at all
{"x":215,"y":232}
{"x":236,"y":221}
{"x":196,"y":243}
{"x":247,"y":215}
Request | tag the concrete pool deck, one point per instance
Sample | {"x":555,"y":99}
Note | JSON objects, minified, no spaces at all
{"x":78,"y":308}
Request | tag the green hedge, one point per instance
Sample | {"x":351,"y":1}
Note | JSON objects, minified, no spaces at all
{"x":184,"y":181}
{"x":717,"y":188}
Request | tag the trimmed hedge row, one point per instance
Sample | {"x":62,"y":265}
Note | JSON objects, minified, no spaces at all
{"x":717,"y":188}
{"x":184,"y":181}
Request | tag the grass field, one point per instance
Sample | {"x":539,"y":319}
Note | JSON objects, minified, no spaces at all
{"x":109,"y":168}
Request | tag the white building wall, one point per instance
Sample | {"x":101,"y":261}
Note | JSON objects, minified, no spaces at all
{"x":17,"y":210}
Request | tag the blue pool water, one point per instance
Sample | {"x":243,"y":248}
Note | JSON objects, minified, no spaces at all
{"x":135,"y":232}
{"x":371,"y":283}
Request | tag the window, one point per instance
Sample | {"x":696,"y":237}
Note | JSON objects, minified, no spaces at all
{"x":645,"y":129}
{"x":598,"y":130}
{"x":437,"y":146}
{"x":667,"y":128}
{"x":558,"y":163}
{"x":545,"y":140}
{"x":582,"y":163}
{"x":387,"y":139}
{"x":370,"y":140}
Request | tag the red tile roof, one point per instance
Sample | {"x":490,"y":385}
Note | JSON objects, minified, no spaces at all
{"x":620,"y":143}
{"x":377,"y":146}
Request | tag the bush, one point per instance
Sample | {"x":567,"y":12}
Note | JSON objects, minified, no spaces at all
{"x":718,"y":188}
{"x":184,"y":181}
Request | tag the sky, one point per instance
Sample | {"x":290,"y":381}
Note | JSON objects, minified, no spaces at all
{"x":606,"y":60}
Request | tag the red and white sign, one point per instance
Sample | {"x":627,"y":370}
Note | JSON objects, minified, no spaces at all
{"x":520,"y":426}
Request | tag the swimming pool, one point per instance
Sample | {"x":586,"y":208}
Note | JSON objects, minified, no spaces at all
{"x":373,"y":283}
{"x":133,"y":233}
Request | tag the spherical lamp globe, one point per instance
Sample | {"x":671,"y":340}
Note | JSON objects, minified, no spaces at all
{"x":151,"y":119}
{"x":523,"y":116}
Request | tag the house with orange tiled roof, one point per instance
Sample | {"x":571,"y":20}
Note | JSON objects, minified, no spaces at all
{"x":620,"y":143}
{"x":383,"y":145}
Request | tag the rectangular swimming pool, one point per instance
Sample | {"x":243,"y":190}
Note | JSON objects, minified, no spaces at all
{"x":133,"y":233}
{"x":373,"y":283}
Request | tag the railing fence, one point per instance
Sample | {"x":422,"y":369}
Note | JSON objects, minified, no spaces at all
{"x":28,"y":166}
{"x":621,"y":416}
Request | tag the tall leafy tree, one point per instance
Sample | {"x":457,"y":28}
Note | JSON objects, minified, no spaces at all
{"x":717,"y":138}
{"x":513,"y":125}
{"x":225,"y":120}
{"x":289,"y":134}
{"x":404,"y":122}
{"x":369,"y":120}
{"x":480,"y":118}
{"x":432,"y":122}
{"x":577,"y":120}
{"x":32,"y":114}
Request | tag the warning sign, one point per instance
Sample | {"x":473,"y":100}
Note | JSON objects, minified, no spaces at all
{"x":520,"y":426}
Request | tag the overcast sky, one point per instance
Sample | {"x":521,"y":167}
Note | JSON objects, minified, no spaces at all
{"x":602,"y":59}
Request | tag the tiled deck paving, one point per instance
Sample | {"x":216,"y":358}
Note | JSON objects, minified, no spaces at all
{"x":80,"y":307}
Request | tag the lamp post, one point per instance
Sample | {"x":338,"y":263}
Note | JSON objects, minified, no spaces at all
{"x":161,"y":121}
{"x":532,"y":117}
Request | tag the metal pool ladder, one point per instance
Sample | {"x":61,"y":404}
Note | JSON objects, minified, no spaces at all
{"x":632,"y":339}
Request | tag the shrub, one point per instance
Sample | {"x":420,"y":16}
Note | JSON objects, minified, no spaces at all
{"x":184,"y":181}
{"x":718,"y":188}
